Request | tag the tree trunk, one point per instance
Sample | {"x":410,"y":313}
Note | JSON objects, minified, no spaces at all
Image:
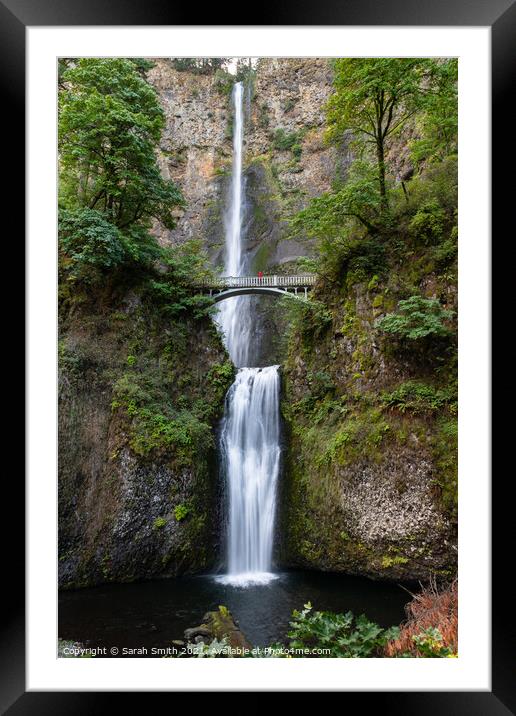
{"x":381,"y":168}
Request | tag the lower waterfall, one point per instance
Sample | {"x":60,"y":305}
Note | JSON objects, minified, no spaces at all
{"x":250,"y":453}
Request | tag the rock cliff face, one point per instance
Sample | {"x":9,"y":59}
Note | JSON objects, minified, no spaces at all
{"x":286,"y":160}
{"x":132,"y":502}
{"x":368,"y":489}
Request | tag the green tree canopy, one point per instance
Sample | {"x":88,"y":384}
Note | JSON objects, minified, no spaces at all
{"x":375,"y":97}
{"x":110,"y":121}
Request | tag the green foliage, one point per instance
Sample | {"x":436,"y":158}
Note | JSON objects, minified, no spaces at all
{"x":372,"y":94}
{"x":357,"y":199}
{"x":446,"y":252}
{"x":285,"y":141}
{"x":344,"y":635}
{"x":429,"y":644}
{"x":171,"y":291}
{"x":337,"y":220}
{"x":220,"y":376}
{"x":216,"y":649}
{"x":307,"y":264}
{"x":373,"y":98}
{"x":439,"y":184}
{"x":359,"y":433}
{"x":439,"y":117}
{"x":427,"y":225}
{"x":417,"y":397}
{"x":312,"y":317}
{"x":199,"y":65}
{"x":185,"y":433}
{"x":245,"y":71}
{"x":224,"y":83}
{"x":159,"y":522}
{"x":389,"y":560}
{"x":110,"y":184}
{"x":181,"y":512}
{"x":90,"y":240}
{"x":142,"y":64}
{"x":158,"y":425}
{"x":417,"y":318}
{"x":444,"y":446}
{"x":320,"y":383}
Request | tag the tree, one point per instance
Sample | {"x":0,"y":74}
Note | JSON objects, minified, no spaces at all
{"x":375,"y":97}
{"x":199,"y":66}
{"x":327,"y":214}
{"x":438,"y":121}
{"x":110,"y":121}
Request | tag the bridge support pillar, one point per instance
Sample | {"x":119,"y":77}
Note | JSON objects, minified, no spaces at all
{"x":306,"y":292}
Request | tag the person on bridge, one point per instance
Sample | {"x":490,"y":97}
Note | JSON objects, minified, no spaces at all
{"x":260,"y":274}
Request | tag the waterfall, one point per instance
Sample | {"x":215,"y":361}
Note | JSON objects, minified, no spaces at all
{"x":234,"y":313}
{"x":250,"y":434}
{"x":250,"y":451}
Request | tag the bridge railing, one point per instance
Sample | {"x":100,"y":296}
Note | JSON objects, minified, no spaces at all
{"x":223,"y":282}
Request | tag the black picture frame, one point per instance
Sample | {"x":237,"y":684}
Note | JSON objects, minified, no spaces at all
{"x":15,"y":16}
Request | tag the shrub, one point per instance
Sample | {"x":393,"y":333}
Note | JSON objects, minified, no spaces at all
{"x":288,"y":141}
{"x":181,"y":511}
{"x":429,"y":643}
{"x":185,"y":433}
{"x":284,"y":140}
{"x":427,"y":225}
{"x":417,"y":397}
{"x":343,"y":634}
{"x":417,"y":318}
{"x":320,"y":383}
{"x":223,"y":82}
{"x":446,"y":251}
{"x":171,"y":290}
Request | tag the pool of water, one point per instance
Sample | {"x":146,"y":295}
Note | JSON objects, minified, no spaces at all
{"x":153,"y":614}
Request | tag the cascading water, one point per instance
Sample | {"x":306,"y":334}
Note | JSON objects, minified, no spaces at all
{"x":250,"y":435}
{"x":250,"y":451}
{"x":234,"y":313}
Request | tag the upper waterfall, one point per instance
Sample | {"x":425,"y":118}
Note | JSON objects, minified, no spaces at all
{"x":234,"y":315}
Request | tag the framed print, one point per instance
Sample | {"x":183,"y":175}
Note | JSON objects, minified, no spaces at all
{"x":258,"y":354}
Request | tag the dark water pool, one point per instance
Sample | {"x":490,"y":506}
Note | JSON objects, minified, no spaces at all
{"x":152,"y":614}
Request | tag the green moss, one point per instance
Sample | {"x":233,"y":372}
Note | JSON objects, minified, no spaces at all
{"x":358,"y":434}
{"x":159,"y":522}
{"x":181,"y":512}
{"x":444,"y":446}
{"x":389,"y":560}
{"x":261,"y":257}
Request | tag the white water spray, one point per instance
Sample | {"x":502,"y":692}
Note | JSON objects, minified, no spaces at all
{"x":250,"y":435}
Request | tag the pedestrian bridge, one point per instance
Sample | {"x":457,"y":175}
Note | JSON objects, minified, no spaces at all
{"x":228,"y":286}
